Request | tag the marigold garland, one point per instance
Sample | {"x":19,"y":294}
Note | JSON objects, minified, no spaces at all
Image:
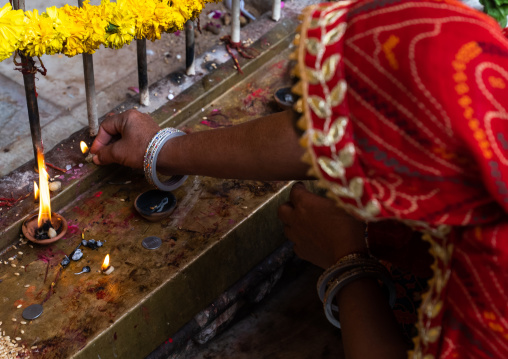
{"x":73,"y":30}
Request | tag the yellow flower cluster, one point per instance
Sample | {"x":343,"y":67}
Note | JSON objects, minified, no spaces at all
{"x":73,"y":30}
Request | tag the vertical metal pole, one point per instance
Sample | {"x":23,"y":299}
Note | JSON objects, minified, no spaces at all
{"x":235,"y":22}
{"x":144,"y":95}
{"x":91,"y":101}
{"x":189,"y":48}
{"x":30,"y":94}
{"x":276,"y":10}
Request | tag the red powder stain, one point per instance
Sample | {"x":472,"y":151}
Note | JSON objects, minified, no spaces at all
{"x":79,"y":211}
{"x":170,"y":340}
{"x":98,"y":194}
{"x":278,"y":65}
{"x":114,"y":336}
{"x":127,"y":220}
{"x":101,"y":294}
{"x":72,"y":229}
{"x":47,"y":255}
{"x":257,"y":94}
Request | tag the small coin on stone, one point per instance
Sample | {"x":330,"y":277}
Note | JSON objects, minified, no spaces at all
{"x":32,"y":312}
{"x":151,"y":242}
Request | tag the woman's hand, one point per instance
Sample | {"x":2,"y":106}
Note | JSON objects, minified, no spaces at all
{"x":322,"y":232}
{"x":135,"y":130}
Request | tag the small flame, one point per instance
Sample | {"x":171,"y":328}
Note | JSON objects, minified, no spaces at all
{"x":45,"y":199}
{"x":36,"y":191}
{"x":84,"y":147}
{"x":105,"y":264}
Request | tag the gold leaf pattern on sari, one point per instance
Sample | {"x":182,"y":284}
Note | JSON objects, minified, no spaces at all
{"x":443,"y":253}
{"x":340,"y":191}
{"x":333,"y":16}
{"x":314,"y":23}
{"x":335,"y":34}
{"x":331,"y":167}
{"x":373,"y":207}
{"x":318,"y":106}
{"x":338,"y":93}
{"x":347,"y":155}
{"x":430,"y":335}
{"x":433,"y":309}
{"x":313,"y":76}
{"x":313,"y":46}
{"x":356,"y":187}
{"x":334,"y":135}
{"x":330,"y":66}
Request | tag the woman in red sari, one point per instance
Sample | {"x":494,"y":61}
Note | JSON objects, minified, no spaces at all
{"x":404,"y":112}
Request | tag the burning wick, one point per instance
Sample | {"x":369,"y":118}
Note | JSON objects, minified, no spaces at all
{"x":36,"y":192}
{"x":84,"y":149}
{"x":44,"y":226}
{"x":106,"y":268}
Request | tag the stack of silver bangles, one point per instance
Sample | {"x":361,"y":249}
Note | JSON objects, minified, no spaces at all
{"x":150,"y":160}
{"x":348,"y":269}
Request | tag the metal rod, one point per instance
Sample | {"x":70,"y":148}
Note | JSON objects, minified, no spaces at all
{"x":91,"y":100}
{"x":28,"y":70}
{"x":189,"y":48}
{"x":18,"y":4}
{"x":144,"y":95}
{"x":235,"y":22}
{"x":32,"y":105}
{"x":276,"y":10}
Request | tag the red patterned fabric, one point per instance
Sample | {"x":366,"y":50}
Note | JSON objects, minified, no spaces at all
{"x":405,"y":109}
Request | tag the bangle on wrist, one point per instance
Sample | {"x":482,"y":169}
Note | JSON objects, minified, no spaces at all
{"x":350,"y":276}
{"x":348,"y":269}
{"x":150,"y":160}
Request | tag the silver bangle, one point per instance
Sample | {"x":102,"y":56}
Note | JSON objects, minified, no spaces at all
{"x":150,"y":160}
{"x":345,"y":263}
{"x":336,"y":285}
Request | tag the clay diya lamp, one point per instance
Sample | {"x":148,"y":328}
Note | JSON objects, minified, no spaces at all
{"x":155,"y":205}
{"x":50,"y":230}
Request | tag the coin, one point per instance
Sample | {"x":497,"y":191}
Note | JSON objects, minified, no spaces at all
{"x":151,"y":242}
{"x":32,"y":312}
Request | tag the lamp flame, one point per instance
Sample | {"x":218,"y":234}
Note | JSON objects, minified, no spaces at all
{"x":105,"y":264}
{"x":84,"y":147}
{"x":45,"y":199}
{"x":36,"y":191}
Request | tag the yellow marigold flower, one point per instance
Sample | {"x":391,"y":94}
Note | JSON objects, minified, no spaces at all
{"x":39,"y":34}
{"x":73,"y":20}
{"x":143,"y":13}
{"x":73,"y":30}
{"x":61,"y":29}
{"x":11,"y":30}
{"x":121,"y":29}
{"x":95,"y":22}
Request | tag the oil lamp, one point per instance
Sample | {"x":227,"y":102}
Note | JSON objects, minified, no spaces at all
{"x":46,"y":226}
{"x":106,"y":268}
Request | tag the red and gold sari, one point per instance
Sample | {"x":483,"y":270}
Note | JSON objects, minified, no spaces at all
{"x":404,"y":106}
